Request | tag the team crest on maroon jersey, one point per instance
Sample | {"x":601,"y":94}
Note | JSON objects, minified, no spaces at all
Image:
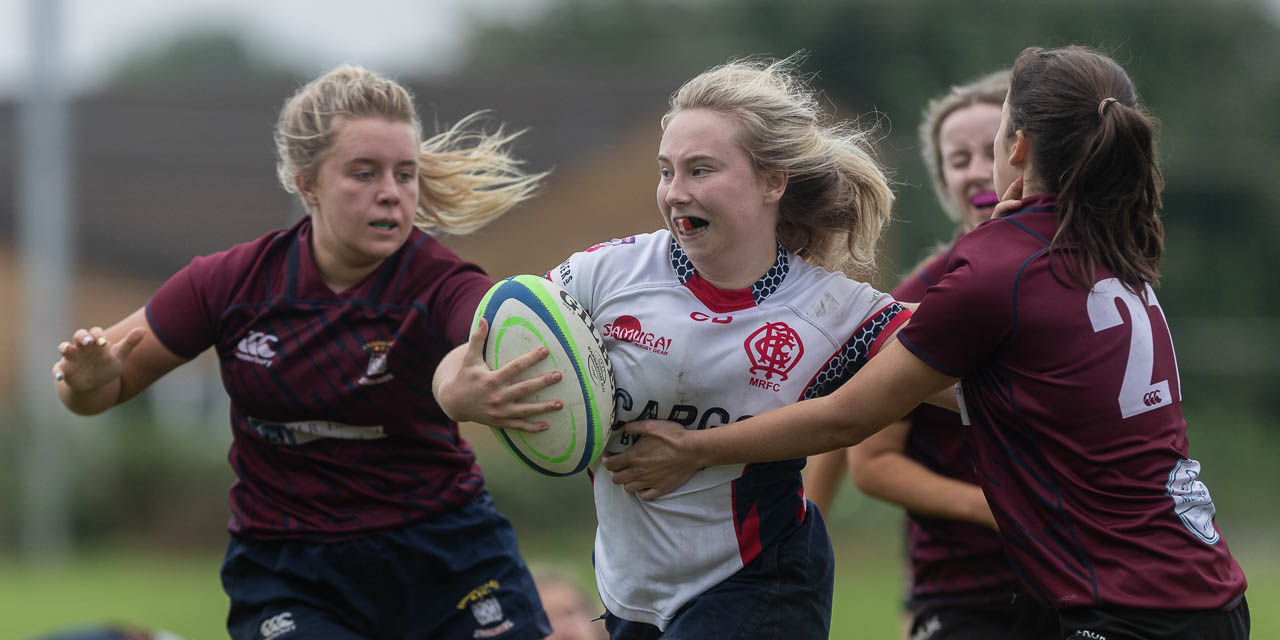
{"x":774,"y":349}
{"x":628,"y":329}
{"x":376,"y":372}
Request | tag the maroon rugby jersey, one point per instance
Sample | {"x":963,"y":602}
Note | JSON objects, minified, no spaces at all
{"x":1077,"y":413}
{"x":336,"y":431}
{"x":953,"y":563}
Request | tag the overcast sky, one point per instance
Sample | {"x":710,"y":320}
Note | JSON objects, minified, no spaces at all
{"x":389,"y":35}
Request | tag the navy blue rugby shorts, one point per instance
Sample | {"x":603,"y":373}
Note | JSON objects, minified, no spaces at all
{"x":458,"y":576}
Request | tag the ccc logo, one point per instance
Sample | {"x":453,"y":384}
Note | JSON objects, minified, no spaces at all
{"x":258,"y":344}
{"x":699,"y":316}
{"x":277,"y":625}
{"x":1152,"y":398}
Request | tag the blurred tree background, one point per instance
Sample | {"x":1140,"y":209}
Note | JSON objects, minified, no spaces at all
{"x":153,"y":474}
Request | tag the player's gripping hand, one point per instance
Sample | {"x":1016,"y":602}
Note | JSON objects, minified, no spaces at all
{"x":654,"y":465}
{"x":90,"y":361}
{"x":476,"y":393}
{"x":1011,"y":200}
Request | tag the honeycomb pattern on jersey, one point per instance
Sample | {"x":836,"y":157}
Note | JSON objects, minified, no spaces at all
{"x":764,"y":287}
{"x":761,"y":289}
{"x":852,"y":356}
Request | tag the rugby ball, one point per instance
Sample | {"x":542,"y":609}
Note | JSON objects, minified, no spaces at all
{"x":525,"y":312}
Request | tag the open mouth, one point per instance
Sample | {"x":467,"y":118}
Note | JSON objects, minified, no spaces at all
{"x":985,"y":199}
{"x":385,"y":225}
{"x":689,"y":225}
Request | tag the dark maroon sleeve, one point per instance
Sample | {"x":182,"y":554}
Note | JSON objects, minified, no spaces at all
{"x":968,"y":313}
{"x":181,"y":313}
{"x":461,"y":286}
{"x":914,"y":287}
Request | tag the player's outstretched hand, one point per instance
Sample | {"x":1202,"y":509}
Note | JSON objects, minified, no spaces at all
{"x":1011,"y":200}
{"x":90,"y":361}
{"x":655,"y":465}
{"x":477,"y":393}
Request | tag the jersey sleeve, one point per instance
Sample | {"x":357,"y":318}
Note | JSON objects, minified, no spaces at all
{"x":913,"y":288}
{"x":461,"y":286}
{"x":864,"y":341}
{"x":968,"y":313}
{"x":577,"y":275}
{"x":184,"y":312}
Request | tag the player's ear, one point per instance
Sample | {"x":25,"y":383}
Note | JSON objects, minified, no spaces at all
{"x":305,"y":188}
{"x":1020,"y":150}
{"x":775,"y":184}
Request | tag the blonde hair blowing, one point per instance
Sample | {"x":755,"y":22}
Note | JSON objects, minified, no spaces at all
{"x":466,"y":179}
{"x":837,"y":199}
{"x":989,"y":89}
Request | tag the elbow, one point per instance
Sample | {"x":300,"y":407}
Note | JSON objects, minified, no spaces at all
{"x":868,"y":480}
{"x":863,"y":475}
{"x":850,"y":434}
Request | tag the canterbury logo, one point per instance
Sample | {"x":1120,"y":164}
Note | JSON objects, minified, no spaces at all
{"x":1152,"y":398}
{"x":258,"y":348}
{"x":277,"y":626}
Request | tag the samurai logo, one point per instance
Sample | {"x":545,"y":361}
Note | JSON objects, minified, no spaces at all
{"x":774,"y":349}
{"x":376,"y":372}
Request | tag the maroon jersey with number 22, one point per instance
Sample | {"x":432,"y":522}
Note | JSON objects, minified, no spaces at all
{"x":1076,"y":406}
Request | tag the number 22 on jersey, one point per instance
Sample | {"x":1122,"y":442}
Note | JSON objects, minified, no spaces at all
{"x":1138,"y":393}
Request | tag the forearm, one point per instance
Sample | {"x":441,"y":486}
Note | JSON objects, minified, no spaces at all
{"x":948,"y":399}
{"x":895,"y":478}
{"x":795,"y":431}
{"x":447,"y":370}
{"x":887,"y":388}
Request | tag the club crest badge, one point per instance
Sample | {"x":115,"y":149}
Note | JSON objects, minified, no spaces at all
{"x":774,"y":349}
{"x":376,"y":372}
{"x":484,"y":605}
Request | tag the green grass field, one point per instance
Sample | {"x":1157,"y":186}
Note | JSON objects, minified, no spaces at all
{"x":181,"y":593}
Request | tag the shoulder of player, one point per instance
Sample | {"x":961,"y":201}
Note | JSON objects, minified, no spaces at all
{"x":832,"y":303}
{"x":638,"y":259}
{"x":1029,"y":227}
{"x":423,"y":252}
{"x":627,"y":248}
{"x":806,"y":280}
{"x":243,"y":258}
{"x":427,"y":268}
{"x":999,"y":245}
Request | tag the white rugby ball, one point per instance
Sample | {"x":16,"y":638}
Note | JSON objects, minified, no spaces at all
{"x":525,"y":312}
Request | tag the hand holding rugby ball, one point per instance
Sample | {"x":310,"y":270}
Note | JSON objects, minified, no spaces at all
{"x":526,"y":312}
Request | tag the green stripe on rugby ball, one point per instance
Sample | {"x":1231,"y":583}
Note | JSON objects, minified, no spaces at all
{"x":529,"y":312}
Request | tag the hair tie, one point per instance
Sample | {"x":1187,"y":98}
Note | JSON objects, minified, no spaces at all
{"x":1102,"y":106}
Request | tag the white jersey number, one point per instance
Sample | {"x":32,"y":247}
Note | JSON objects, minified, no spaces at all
{"x":1138,"y":394}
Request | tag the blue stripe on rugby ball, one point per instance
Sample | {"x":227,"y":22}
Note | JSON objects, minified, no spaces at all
{"x":512,"y":289}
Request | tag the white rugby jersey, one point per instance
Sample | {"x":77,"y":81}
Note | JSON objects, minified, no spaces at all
{"x":685,"y":351}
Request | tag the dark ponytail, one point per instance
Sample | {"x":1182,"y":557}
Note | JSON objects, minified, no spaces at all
{"x":1095,"y":146}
